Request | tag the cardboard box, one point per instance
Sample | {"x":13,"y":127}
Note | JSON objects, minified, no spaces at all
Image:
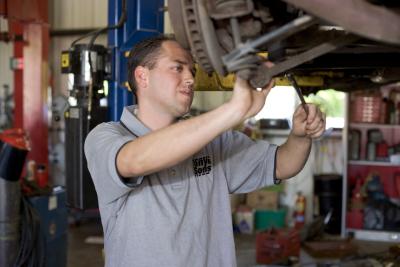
{"x":263,"y":200}
{"x":237,"y":200}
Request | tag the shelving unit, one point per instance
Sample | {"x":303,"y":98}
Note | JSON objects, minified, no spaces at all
{"x":372,"y":163}
{"x":374,"y":125}
{"x":360,"y":173}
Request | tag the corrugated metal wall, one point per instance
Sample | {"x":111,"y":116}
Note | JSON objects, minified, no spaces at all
{"x":6,"y":75}
{"x":72,"y":14}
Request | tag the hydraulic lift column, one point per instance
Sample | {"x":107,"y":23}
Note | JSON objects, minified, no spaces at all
{"x":88,"y":66}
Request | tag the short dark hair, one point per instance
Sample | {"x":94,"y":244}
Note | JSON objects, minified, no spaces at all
{"x":145,"y":53}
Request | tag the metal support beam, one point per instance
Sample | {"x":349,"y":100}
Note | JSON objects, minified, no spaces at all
{"x":264,"y":75}
{"x":31,"y":82}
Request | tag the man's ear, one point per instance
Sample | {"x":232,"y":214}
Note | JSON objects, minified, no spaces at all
{"x":141,"y":76}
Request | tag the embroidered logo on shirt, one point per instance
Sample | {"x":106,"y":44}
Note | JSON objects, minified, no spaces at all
{"x":202,"y":166}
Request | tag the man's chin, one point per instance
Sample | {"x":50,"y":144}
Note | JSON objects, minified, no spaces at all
{"x":184,"y":111}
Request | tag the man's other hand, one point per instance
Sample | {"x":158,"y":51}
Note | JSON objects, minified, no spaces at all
{"x":311,"y":125}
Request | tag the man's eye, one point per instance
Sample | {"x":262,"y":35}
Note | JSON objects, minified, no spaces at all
{"x":178,"y":68}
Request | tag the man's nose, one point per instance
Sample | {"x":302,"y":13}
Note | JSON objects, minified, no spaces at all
{"x":189,"y":79}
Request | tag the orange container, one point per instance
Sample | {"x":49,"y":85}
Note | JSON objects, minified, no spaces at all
{"x":366,"y":107}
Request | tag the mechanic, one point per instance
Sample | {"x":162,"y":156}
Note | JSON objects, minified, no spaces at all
{"x":163,"y":183}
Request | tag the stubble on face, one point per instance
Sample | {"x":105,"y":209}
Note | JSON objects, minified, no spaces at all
{"x":172,"y":79}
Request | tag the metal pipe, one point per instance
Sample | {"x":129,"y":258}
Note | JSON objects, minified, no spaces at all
{"x":71,"y":32}
{"x":264,"y":75}
{"x":235,"y":31}
{"x":281,"y":33}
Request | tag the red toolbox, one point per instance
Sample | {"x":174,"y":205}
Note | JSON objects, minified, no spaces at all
{"x":276,"y":245}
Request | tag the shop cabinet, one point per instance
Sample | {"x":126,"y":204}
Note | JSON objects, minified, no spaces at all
{"x":371,"y":209}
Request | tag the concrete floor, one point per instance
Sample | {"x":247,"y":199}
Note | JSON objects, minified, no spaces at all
{"x":80,"y":253}
{"x":83,"y":254}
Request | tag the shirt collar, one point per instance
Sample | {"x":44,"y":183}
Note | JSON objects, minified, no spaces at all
{"x":130,"y":120}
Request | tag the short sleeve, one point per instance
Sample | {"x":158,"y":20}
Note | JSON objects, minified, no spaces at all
{"x":101,"y":149}
{"x":248,"y":164}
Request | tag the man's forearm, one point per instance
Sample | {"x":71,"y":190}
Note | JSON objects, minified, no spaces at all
{"x":292,"y":156}
{"x":168,"y":146}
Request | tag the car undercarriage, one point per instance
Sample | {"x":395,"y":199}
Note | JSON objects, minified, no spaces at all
{"x":349,"y":44}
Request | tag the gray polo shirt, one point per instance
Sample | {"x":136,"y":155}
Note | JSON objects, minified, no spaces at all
{"x":180,"y":216}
